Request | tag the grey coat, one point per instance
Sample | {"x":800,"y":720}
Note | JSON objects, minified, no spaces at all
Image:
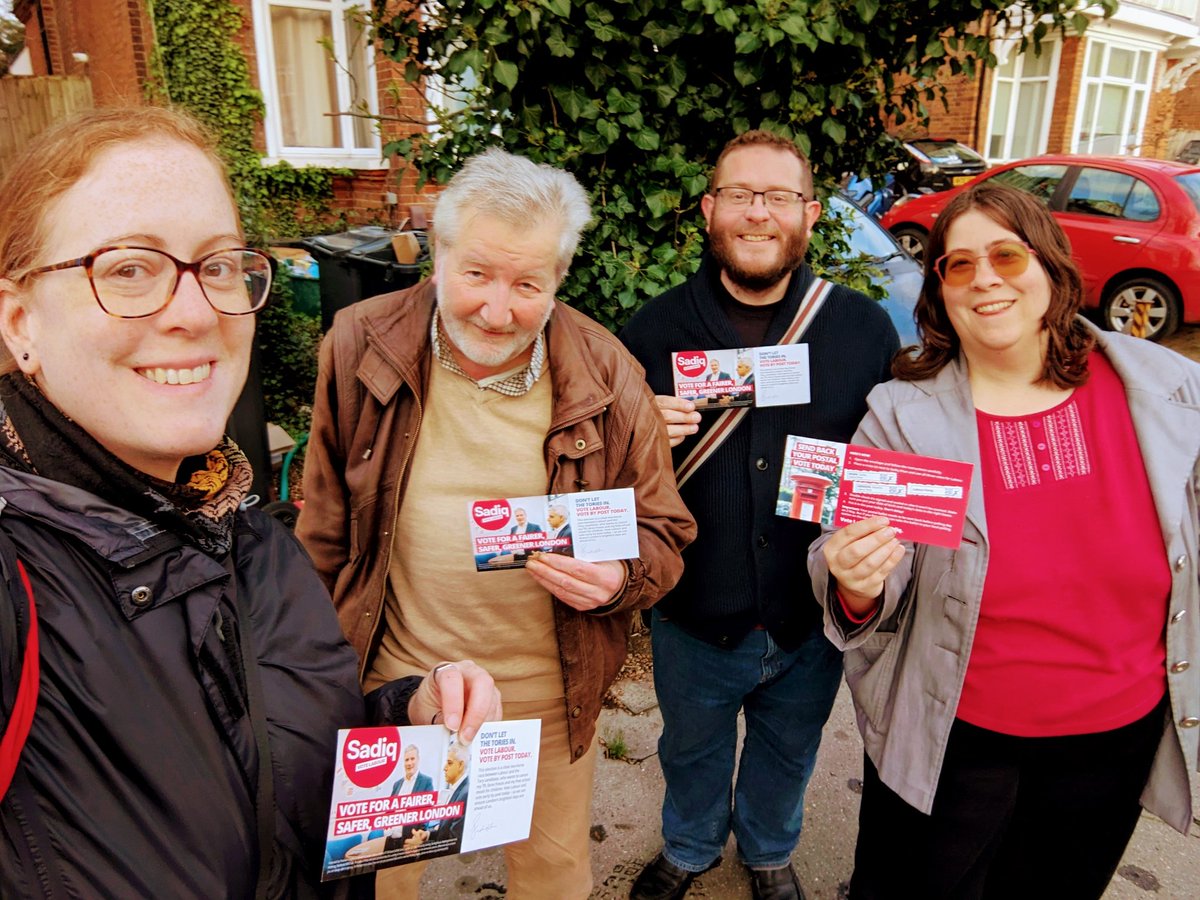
{"x":906,"y":666}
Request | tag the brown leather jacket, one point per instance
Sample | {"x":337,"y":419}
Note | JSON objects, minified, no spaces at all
{"x":605,"y":432}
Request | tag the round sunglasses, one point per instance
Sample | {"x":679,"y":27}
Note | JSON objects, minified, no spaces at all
{"x":1007,"y":259}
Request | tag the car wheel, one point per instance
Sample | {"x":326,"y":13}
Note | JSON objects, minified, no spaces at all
{"x":1117,"y":308}
{"x":912,"y":241}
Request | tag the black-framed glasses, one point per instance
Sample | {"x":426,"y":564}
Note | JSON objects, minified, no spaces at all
{"x":135,"y":282}
{"x":1008,"y":259}
{"x":736,"y":196}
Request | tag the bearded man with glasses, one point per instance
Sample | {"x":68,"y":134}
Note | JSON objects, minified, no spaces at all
{"x":741,"y":632}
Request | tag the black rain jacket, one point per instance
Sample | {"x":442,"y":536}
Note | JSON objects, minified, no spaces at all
{"x":140,"y":772}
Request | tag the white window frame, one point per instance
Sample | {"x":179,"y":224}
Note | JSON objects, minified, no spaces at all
{"x":346,"y":156}
{"x":1017,"y":80}
{"x":1102,"y":44}
{"x":439,"y":97}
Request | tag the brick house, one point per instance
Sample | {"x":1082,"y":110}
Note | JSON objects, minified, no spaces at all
{"x":1129,"y":85}
{"x":111,"y":42}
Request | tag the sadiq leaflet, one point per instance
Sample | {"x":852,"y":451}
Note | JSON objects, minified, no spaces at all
{"x":410,"y":793}
{"x":836,"y":484}
{"x":590,"y":525}
{"x":751,"y":376}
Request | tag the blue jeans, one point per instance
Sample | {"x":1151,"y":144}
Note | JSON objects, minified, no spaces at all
{"x":787,"y":698}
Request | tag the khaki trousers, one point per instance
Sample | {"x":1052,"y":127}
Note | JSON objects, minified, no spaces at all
{"x":554,"y":863}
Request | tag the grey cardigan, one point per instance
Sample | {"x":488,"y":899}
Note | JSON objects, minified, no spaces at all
{"x":906,"y":666}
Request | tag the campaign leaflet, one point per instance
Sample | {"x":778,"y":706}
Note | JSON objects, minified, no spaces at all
{"x":403,"y":794}
{"x":749,"y":376}
{"x":836,"y":484}
{"x":590,"y":525}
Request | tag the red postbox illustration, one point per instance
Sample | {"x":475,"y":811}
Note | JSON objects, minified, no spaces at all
{"x":808,"y":496}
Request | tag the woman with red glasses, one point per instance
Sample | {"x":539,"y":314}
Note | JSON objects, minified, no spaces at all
{"x":1023,"y":696}
{"x":172,"y":674}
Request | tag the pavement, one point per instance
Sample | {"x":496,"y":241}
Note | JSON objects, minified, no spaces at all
{"x":1159,"y":864}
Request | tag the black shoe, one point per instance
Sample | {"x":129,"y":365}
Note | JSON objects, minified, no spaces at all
{"x":661,"y":880}
{"x":775,"y":884}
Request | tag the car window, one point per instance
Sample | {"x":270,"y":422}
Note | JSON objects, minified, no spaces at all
{"x":947,"y":153}
{"x":1191,"y":186}
{"x":1142,"y":205}
{"x":866,"y":236}
{"x":1114,"y":195}
{"x":1041,"y":181}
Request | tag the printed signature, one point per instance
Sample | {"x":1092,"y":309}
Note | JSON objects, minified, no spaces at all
{"x":482,"y":826}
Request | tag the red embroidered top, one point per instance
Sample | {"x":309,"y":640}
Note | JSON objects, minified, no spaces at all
{"x":1071,"y":628}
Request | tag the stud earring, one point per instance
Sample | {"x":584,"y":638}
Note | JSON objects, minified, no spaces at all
{"x":25,"y":357}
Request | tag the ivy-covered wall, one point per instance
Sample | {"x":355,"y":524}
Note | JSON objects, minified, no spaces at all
{"x":200,"y":63}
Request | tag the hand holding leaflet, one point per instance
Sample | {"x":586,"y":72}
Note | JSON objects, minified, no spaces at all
{"x":462,"y":693}
{"x":579,"y":584}
{"x":860,"y":558}
{"x":680,"y":416}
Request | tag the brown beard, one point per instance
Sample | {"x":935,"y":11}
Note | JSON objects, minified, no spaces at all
{"x":794,"y":247}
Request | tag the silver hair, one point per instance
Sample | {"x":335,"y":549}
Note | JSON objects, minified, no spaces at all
{"x":519,"y":192}
{"x":559,"y":508}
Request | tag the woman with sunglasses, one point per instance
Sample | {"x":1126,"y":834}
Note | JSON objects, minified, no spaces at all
{"x":1020,"y":697}
{"x":172,"y":674}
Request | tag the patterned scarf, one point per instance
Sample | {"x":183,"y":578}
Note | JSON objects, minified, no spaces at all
{"x":199,"y":505}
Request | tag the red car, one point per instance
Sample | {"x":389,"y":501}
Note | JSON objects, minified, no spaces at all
{"x":1134,"y":227}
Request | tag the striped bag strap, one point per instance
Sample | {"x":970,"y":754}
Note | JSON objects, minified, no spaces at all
{"x":810,"y":304}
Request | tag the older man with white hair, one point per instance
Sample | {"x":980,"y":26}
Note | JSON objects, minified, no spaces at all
{"x":477,"y":384}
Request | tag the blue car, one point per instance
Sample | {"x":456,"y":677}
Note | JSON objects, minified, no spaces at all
{"x":903,"y":274}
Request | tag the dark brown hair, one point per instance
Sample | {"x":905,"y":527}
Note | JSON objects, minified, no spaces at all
{"x":760,"y":138}
{"x":1065,"y":365}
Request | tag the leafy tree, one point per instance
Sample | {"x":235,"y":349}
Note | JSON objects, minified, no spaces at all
{"x":636,"y":96}
{"x":12,"y":40}
{"x":201,"y":65}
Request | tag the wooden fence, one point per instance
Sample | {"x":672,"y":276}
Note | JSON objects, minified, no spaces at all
{"x":30,"y":105}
